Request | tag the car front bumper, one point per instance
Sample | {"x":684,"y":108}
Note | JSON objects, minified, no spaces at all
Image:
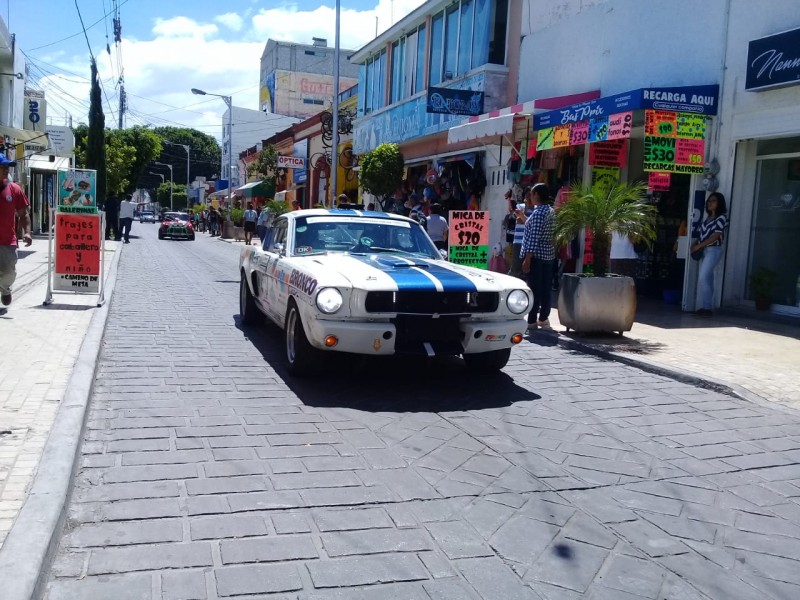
{"x":395,"y":337}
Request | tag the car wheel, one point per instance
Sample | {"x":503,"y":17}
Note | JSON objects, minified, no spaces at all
{"x":300,"y":354}
{"x":191,"y":238}
{"x":248,"y":310}
{"x":160,"y":235}
{"x":487,"y":362}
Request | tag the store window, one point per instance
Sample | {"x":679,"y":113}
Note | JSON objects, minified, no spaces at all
{"x":775,"y":222}
{"x":437,"y":44}
{"x":398,"y":58}
{"x":362,"y":86}
{"x":467,"y":14}
{"x":499,"y":25}
{"x":451,"y":43}
{"x":419,"y":79}
{"x":481,"y":33}
{"x":374,"y":87}
{"x":409,"y":64}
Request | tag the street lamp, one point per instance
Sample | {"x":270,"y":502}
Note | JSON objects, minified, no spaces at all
{"x":229,"y":103}
{"x":162,"y":181}
{"x":171,"y":182}
{"x":185,"y":147}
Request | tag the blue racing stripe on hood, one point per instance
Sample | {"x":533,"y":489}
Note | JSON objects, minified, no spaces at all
{"x":401,"y":269}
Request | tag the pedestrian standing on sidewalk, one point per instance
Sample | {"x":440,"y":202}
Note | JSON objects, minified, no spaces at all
{"x":250,"y":217}
{"x":127,"y":208}
{"x":213,"y":221}
{"x":263,"y":223}
{"x":13,"y":204}
{"x":112,"y":217}
{"x":522,"y":212}
{"x":539,"y":255}
{"x":712,"y":233}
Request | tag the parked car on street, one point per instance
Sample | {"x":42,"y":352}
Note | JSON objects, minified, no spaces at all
{"x":147,"y":217}
{"x":177,"y":226}
{"x":374,"y":283}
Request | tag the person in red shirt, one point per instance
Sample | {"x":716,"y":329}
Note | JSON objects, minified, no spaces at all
{"x":13,"y":204}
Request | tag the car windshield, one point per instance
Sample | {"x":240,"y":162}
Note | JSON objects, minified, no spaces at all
{"x":174,"y":216}
{"x":360,"y":235}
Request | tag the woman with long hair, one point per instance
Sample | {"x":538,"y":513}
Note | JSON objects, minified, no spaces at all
{"x":712,"y":232}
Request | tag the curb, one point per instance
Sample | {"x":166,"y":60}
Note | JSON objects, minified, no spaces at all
{"x":650,"y":366}
{"x":35,"y":535}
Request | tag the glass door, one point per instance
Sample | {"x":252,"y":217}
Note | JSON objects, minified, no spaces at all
{"x":775,"y":230}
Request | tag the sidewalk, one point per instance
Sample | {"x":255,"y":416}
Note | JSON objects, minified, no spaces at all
{"x":760,"y":357}
{"x":43,"y":345}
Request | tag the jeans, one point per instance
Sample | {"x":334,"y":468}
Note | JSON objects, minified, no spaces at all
{"x":126,"y":227}
{"x":516,"y":261}
{"x":711,"y":258}
{"x":540,"y":279}
{"x":8,"y":268}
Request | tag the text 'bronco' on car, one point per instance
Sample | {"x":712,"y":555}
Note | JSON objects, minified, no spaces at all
{"x":374,"y":283}
{"x":176,"y":225}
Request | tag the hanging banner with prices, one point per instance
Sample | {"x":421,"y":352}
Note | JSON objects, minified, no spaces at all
{"x":544,"y":139}
{"x":469,"y":238}
{"x":660,"y":122}
{"x":561,"y":136}
{"x":620,"y":125}
{"x":613,"y":153}
{"x":579,"y":133}
{"x":604,"y":178}
{"x":76,"y":191}
{"x":691,"y":127}
{"x":78,"y":243}
{"x":598,"y":129}
{"x":659,"y":181}
{"x":673,"y":154}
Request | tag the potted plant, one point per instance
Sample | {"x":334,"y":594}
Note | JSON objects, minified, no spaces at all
{"x":600,"y":302}
{"x":762,"y":282}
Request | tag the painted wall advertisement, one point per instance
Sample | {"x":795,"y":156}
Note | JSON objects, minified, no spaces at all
{"x":76,"y":191}
{"x":469,"y":238}
{"x":78,"y":244}
{"x":299,"y":95}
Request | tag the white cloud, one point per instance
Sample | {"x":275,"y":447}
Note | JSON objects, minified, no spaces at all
{"x":181,"y":53}
{"x":231,"y":20}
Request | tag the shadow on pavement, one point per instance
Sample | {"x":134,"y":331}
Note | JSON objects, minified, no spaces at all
{"x":389,"y":384}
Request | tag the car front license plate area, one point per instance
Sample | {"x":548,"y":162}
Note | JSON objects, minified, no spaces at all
{"x":426,"y":335}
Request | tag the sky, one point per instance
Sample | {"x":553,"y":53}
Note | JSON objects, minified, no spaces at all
{"x":171,"y":46}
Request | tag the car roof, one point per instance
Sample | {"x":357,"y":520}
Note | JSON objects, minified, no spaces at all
{"x":344,"y":212}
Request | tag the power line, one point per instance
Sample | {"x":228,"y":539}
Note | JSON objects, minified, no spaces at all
{"x":69,"y":37}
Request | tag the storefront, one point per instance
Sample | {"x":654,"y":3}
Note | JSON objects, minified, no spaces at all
{"x":762,"y":105}
{"x":654,"y":135}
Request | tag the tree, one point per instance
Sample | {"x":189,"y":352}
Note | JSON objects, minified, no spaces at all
{"x":147,"y":146}
{"x":382,"y":170}
{"x":96,"y":137}
{"x":179,"y":197}
{"x":621,"y":208}
{"x":205,"y":153}
{"x":265,"y":166}
{"x":119,"y":158}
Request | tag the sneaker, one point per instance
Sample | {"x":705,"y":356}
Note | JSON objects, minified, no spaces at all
{"x":545,"y":324}
{"x":6,"y":299}
{"x":531,"y":326}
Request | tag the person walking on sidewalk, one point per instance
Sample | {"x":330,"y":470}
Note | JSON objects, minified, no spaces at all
{"x":112,"y":217}
{"x":13,"y":203}
{"x":539,"y":255}
{"x":712,"y":232}
{"x":250,"y":217}
{"x":127,"y":208}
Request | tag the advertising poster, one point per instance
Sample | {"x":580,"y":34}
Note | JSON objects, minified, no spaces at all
{"x":78,"y":243}
{"x":544,"y":139}
{"x":658,"y":181}
{"x":561,"y":136}
{"x":469,"y":238}
{"x":598,"y":129}
{"x":613,"y":153}
{"x":660,"y":122}
{"x":579,"y":133}
{"x":620,"y":125}
{"x":76,"y":191}
{"x":675,"y":155}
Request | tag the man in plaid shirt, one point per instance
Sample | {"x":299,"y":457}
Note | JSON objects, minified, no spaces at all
{"x":539,"y":256}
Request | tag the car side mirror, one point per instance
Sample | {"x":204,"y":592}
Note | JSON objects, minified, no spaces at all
{"x":443,"y":253}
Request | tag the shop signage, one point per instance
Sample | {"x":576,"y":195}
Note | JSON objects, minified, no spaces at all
{"x":407,"y":120}
{"x":620,"y":125}
{"x":77,"y":253}
{"x":773,"y":61}
{"x":469,"y":238}
{"x":291,"y":162}
{"x":35,"y":110}
{"x":579,"y":133}
{"x":612,"y":153}
{"x":673,"y":142}
{"x":597,"y":129}
{"x":76,"y":191}
{"x":700,"y":99}
{"x":451,"y":101}
{"x":300,"y":153}
{"x":659,"y":181}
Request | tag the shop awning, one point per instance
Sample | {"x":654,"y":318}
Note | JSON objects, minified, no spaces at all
{"x":24,"y":135}
{"x":43,"y":163}
{"x":480,"y":130}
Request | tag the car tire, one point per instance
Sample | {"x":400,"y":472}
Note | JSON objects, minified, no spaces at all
{"x":248,"y":311}
{"x":487,"y":362}
{"x":160,"y":235}
{"x":191,"y":238}
{"x":300,"y":354}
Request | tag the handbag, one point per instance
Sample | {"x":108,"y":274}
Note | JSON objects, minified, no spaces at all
{"x":698,"y":254}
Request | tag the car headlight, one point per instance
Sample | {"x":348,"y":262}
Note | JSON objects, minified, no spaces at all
{"x":329,"y":300}
{"x":517,"y":302}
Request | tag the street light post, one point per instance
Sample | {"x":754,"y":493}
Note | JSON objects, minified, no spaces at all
{"x":171,"y":182}
{"x":162,"y":181}
{"x":229,"y":103}
{"x":188,"y":154}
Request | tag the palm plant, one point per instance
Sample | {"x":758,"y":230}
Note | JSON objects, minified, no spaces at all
{"x":621,"y":208}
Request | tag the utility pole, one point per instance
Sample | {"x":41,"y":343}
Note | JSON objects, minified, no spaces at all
{"x":123,"y":104}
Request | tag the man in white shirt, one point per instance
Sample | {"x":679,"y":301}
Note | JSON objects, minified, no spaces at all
{"x":438,"y":227}
{"x":126,"y":211}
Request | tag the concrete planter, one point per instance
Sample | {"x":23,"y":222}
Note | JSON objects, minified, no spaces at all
{"x":597,"y":304}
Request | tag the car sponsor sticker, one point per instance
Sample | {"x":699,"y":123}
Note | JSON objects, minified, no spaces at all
{"x":302,"y":282}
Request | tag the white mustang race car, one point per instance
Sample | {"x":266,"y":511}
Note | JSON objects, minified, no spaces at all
{"x":374,"y":283}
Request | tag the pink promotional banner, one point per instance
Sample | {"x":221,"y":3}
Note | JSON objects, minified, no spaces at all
{"x":689,"y":152}
{"x":620,"y":125}
{"x":659,"y":181}
{"x":612,"y":153}
{"x":579,"y":133}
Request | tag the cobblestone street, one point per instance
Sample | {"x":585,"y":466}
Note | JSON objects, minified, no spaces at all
{"x":207,"y":472}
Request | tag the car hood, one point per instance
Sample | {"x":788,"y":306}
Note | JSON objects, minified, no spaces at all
{"x":401,"y":272}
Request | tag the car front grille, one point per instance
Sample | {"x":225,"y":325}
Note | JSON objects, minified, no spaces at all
{"x":432,"y":302}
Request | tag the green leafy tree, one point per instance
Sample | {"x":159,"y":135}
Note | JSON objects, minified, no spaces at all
{"x":265,"y":166}
{"x":96,"y":137}
{"x":381,"y":170}
{"x":620,"y":208}
{"x":205,"y":153}
{"x":179,"y":197}
{"x":147,"y":146}
{"x":119,"y":157}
